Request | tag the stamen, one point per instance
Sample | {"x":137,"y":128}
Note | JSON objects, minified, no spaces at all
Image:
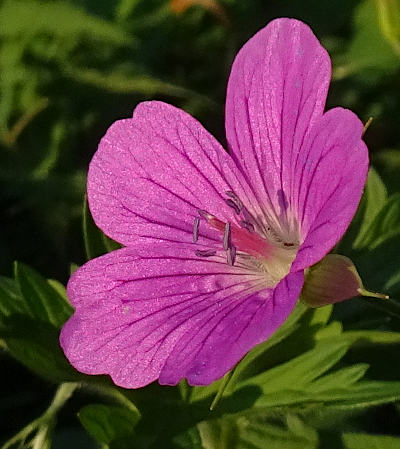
{"x":231,"y":255}
{"x":247,"y":225}
{"x":234,"y":197}
{"x":226,"y":242}
{"x":237,"y":204}
{"x":205,"y":252}
{"x":204,"y":214}
{"x":196,"y":229}
{"x":233,"y":205}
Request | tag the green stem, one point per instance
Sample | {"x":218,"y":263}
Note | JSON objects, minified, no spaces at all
{"x":221,"y":389}
{"x":369,"y":294}
{"x":367,"y":125}
{"x":44,"y":424}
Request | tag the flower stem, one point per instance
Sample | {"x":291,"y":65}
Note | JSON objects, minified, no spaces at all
{"x":369,"y":294}
{"x":366,"y":126}
{"x":221,"y":389}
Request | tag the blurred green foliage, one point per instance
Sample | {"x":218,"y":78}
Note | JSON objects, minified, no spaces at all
{"x":68,"y":69}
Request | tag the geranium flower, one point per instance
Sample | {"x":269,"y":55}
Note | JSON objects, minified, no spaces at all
{"x":215,"y":244}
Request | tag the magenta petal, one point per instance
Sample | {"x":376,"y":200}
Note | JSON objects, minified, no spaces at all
{"x":276,"y":92}
{"x":153,"y":311}
{"x":207,"y":352}
{"x":152,"y":172}
{"x":328,"y":177}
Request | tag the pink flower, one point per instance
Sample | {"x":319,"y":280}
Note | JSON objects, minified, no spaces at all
{"x":215,"y":244}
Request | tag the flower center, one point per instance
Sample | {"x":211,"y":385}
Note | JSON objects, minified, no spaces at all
{"x":252,"y":244}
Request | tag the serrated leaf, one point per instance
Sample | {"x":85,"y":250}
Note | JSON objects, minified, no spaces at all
{"x":108,"y":423}
{"x":364,"y":440}
{"x":358,"y":396}
{"x":363,"y":394}
{"x":43,"y":301}
{"x":256,"y":430}
{"x":342,"y":378}
{"x":304,"y":368}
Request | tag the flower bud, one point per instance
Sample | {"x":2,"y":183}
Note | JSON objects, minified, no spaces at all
{"x":333,"y":279}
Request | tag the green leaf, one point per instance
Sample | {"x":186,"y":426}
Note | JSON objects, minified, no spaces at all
{"x":385,"y":225}
{"x":369,"y":53}
{"x":379,"y":267}
{"x":130,"y":83}
{"x":221,"y":434}
{"x":254,"y":430}
{"x":372,"y":337}
{"x":372,"y":201}
{"x":304,"y":368}
{"x":332,"y":330}
{"x":344,"y":378}
{"x":24,"y":18}
{"x":358,"y":396}
{"x":32,"y":311}
{"x":36,"y":346}
{"x":389,"y":22}
{"x":288,"y":327}
{"x":10,"y":298}
{"x":96,"y":243}
{"x":363,"y":394}
{"x":43,"y":301}
{"x":188,"y":440}
{"x":363,"y":440}
{"x":108,"y":423}
{"x":388,"y":162}
{"x":374,"y":198}
{"x":258,"y":431}
{"x":321,"y":315}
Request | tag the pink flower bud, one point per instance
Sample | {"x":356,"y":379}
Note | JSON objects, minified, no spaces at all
{"x":333,"y":279}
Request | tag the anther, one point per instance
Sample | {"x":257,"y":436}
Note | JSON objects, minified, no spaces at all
{"x":226,"y":242}
{"x":247,"y":225}
{"x":231,"y":255}
{"x":233,"y":205}
{"x":204,"y":214}
{"x":196,"y":229}
{"x":205,"y":252}
{"x":235,"y":199}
